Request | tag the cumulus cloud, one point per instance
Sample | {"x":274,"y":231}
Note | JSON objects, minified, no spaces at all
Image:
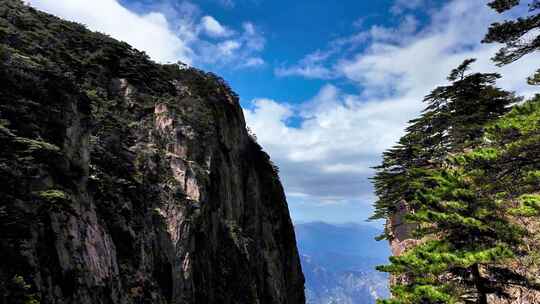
{"x":311,"y":66}
{"x":326,"y":158}
{"x":417,"y":64}
{"x":239,"y":51}
{"x":252,"y":38}
{"x":227,"y":48}
{"x":252,"y":62}
{"x":316,"y":66}
{"x":167,"y":31}
{"x":213,"y":28}
{"x":330,"y":154}
{"x":149,"y":32}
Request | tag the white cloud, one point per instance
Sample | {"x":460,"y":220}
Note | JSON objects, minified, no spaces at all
{"x":149,"y":32}
{"x":252,"y":38}
{"x":423,"y":62}
{"x":340,"y":136}
{"x":239,"y":51}
{"x":252,"y":62}
{"x":331,"y":152}
{"x":306,"y":70}
{"x":407,"y":27}
{"x":311,"y":66}
{"x":228,"y":48}
{"x":167,"y":33}
{"x":213,"y":28}
{"x":315,"y":65}
{"x":249,"y":28}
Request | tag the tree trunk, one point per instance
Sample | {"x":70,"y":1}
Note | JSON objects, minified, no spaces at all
{"x":482,"y":295}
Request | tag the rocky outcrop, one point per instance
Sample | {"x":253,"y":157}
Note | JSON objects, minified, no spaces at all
{"x":125,"y":181}
{"x":401,"y":232}
{"x":527,"y":266}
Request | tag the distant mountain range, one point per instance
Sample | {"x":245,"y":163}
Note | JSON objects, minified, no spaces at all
{"x":339,"y":263}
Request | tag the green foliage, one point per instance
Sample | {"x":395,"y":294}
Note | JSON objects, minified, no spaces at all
{"x":469,"y":170}
{"x":454,"y":119}
{"x":520,"y":121}
{"x":53,"y":196}
{"x":21,"y":292}
{"x":503,"y":5}
{"x":514,"y":33}
{"x":419,"y":294}
{"x":529,"y":205}
{"x":55,"y":200}
{"x":466,"y":213}
{"x":459,"y":72}
{"x":32,"y":146}
{"x":426,"y":266}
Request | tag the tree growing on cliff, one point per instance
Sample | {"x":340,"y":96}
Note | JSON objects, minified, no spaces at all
{"x":476,"y":204}
{"x":440,"y":167}
{"x":453,"y":120}
{"x":473,"y":219}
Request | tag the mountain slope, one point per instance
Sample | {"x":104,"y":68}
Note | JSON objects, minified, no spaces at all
{"x":125,"y":181}
{"x":339,"y":263}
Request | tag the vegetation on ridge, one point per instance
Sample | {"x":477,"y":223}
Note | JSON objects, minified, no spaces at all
{"x":469,"y":171}
{"x":95,"y":138}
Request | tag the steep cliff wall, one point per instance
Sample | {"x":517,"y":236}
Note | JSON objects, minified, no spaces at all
{"x":124,"y":181}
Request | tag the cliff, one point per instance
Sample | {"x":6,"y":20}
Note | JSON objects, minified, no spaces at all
{"x":125,"y":181}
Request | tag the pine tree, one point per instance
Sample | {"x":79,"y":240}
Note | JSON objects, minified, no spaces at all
{"x":519,"y":36}
{"x":467,"y":233}
{"x":471,"y":174}
{"x":471,"y":217}
{"x":453,"y":120}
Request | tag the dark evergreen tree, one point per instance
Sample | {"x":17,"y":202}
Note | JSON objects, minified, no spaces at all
{"x":471,"y":175}
{"x":473,"y":217}
{"x":520,"y":37}
{"x":452,"y":121}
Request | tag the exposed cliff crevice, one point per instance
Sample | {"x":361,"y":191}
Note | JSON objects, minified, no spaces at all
{"x":124,"y":181}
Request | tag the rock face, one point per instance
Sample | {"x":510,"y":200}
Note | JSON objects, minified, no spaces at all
{"x":125,"y":181}
{"x":401,"y":232}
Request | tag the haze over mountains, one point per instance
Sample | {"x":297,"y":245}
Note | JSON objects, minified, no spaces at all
{"x":339,"y":262}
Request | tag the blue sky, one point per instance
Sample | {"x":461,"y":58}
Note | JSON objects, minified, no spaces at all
{"x":325,"y":85}
{"x":291,"y":30}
